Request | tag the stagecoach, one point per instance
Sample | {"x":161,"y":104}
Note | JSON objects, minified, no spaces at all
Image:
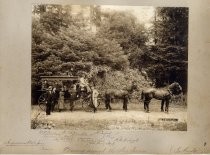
{"x":81,"y":97}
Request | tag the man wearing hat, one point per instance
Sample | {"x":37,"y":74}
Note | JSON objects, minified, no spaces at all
{"x":49,"y":100}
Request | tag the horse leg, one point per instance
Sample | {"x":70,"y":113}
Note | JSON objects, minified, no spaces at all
{"x":108,"y":106}
{"x":71,"y":105}
{"x":146,"y":105}
{"x":125,"y":103}
{"x":167,"y":105}
{"x":162,"y":105}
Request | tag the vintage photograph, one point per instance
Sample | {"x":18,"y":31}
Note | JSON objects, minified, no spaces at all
{"x":109,"y":67}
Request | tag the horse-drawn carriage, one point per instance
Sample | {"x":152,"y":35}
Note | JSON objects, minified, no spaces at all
{"x":73,"y":92}
{"x":83,"y":95}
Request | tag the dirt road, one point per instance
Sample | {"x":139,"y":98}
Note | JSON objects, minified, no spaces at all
{"x":134,"y":119}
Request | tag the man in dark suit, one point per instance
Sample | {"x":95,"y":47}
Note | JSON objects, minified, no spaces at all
{"x":55,"y":94}
{"x":50,"y":97}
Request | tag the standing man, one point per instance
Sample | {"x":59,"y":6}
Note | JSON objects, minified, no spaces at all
{"x":49,"y":100}
{"x":73,"y":96}
{"x":94,"y":98}
{"x":55,"y":94}
{"x":125,"y":102}
{"x":107,"y":102}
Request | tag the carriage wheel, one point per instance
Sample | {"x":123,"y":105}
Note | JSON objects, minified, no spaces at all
{"x":86,"y":104}
{"x":42,"y":101}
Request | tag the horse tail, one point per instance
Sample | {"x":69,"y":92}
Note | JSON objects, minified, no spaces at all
{"x":142,"y":95}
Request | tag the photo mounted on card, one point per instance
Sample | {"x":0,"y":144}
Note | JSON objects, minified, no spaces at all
{"x":104,"y":77}
{"x":126,"y":65}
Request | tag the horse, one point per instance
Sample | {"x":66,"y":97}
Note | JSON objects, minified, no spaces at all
{"x":163,"y":94}
{"x":110,"y":94}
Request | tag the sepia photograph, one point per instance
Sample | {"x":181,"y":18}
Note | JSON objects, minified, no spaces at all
{"x":104,"y":77}
{"x":109,"y":67}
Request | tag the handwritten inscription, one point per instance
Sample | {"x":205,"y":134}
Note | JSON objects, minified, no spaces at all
{"x":94,"y":141}
{"x":91,"y":142}
{"x":67,"y":149}
{"x":185,"y":149}
{"x":29,"y":142}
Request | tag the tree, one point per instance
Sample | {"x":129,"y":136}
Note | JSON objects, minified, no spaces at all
{"x":166,"y":61}
{"x":63,"y":42}
{"x":171,"y":26}
{"x":58,"y":48}
{"x":124,"y":29}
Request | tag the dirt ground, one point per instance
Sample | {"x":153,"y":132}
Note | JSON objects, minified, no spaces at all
{"x":134,"y":119}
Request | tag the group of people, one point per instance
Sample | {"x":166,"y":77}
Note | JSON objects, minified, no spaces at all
{"x":57,"y":96}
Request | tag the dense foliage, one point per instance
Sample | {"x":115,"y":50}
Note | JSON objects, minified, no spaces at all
{"x":166,"y":61}
{"x":63,"y":42}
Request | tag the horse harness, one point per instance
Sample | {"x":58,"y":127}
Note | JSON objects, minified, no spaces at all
{"x":170,"y":93}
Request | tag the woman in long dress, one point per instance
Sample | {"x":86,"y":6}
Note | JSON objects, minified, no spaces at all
{"x":61,"y":100}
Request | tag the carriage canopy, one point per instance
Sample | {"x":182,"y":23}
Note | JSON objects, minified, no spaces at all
{"x":60,"y":78}
{"x":58,"y":81}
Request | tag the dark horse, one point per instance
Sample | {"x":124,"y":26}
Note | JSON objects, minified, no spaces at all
{"x":119,"y":94}
{"x":163,"y":94}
